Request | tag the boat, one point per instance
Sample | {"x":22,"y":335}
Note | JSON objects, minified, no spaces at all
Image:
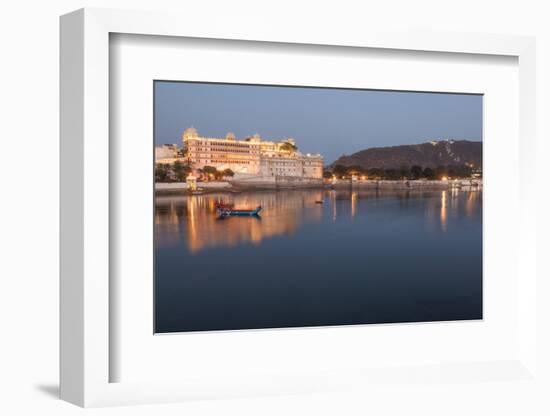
{"x":230,"y":212}
{"x":319,"y":202}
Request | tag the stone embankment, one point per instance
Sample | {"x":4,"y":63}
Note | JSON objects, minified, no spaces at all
{"x":409,"y":184}
{"x":179,"y":187}
{"x":281,"y":182}
{"x":275,"y":182}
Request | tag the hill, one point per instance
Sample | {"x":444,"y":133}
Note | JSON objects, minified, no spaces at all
{"x":430,"y":154}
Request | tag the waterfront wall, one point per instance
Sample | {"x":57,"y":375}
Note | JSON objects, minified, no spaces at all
{"x":275,"y":182}
{"x":289,"y":182}
{"x":182,"y":186}
{"x":408,"y":184}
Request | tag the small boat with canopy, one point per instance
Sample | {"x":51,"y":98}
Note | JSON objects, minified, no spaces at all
{"x":227,"y":210}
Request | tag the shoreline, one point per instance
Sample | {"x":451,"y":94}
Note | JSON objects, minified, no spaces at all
{"x":181,"y":188}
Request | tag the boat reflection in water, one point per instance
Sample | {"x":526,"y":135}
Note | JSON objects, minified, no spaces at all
{"x":194,"y":218}
{"x":359,"y":256}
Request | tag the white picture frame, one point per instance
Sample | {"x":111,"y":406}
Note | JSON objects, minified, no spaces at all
{"x":85,"y":211}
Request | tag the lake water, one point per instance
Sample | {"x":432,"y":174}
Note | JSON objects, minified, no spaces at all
{"x":360,"y":257}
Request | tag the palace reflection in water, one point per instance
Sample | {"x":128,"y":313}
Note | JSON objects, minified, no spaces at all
{"x":360,"y":256}
{"x":194,"y":218}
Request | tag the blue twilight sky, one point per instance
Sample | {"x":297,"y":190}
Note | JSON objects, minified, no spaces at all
{"x":327,"y":121}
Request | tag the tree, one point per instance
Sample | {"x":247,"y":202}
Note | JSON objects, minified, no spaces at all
{"x":462,"y":171}
{"x":181,"y":171}
{"x":428,"y":173}
{"x":228,"y":173}
{"x":416,"y":172}
{"x":289,"y":146}
{"x":441,"y":171}
{"x":392,"y":174}
{"x":162,"y":172}
{"x":339,"y":170}
{"x":354,"y":170}
{"x":375,"y":173}
{"x":404,"y":172}
{"x":452,"y":172}
{"x":210,"y":171}
{"x":327,"y":174}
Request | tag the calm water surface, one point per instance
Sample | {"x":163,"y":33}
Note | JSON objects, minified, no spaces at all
{"x":360,"y":257}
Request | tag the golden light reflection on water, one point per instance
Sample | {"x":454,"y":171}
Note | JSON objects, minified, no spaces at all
{"x":333,"y":204}
{"x":472,"y":199}
{"x":353,"y":204}
{"x":193,"y":219}
{"x":454,"y":202}
{"x":443,"y":212}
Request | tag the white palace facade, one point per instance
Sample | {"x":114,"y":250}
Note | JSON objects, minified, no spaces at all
{"x":251,"y":156}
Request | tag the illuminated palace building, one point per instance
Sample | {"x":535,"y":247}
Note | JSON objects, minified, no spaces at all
{"x":251,"y":156}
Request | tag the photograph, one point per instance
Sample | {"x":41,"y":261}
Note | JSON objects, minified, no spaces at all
{"x":301,"y":206}
{"x":259,"y":209}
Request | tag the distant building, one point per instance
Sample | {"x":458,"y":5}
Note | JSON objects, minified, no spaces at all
{"x":251,"y":156}
{"x":166,"y":153}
